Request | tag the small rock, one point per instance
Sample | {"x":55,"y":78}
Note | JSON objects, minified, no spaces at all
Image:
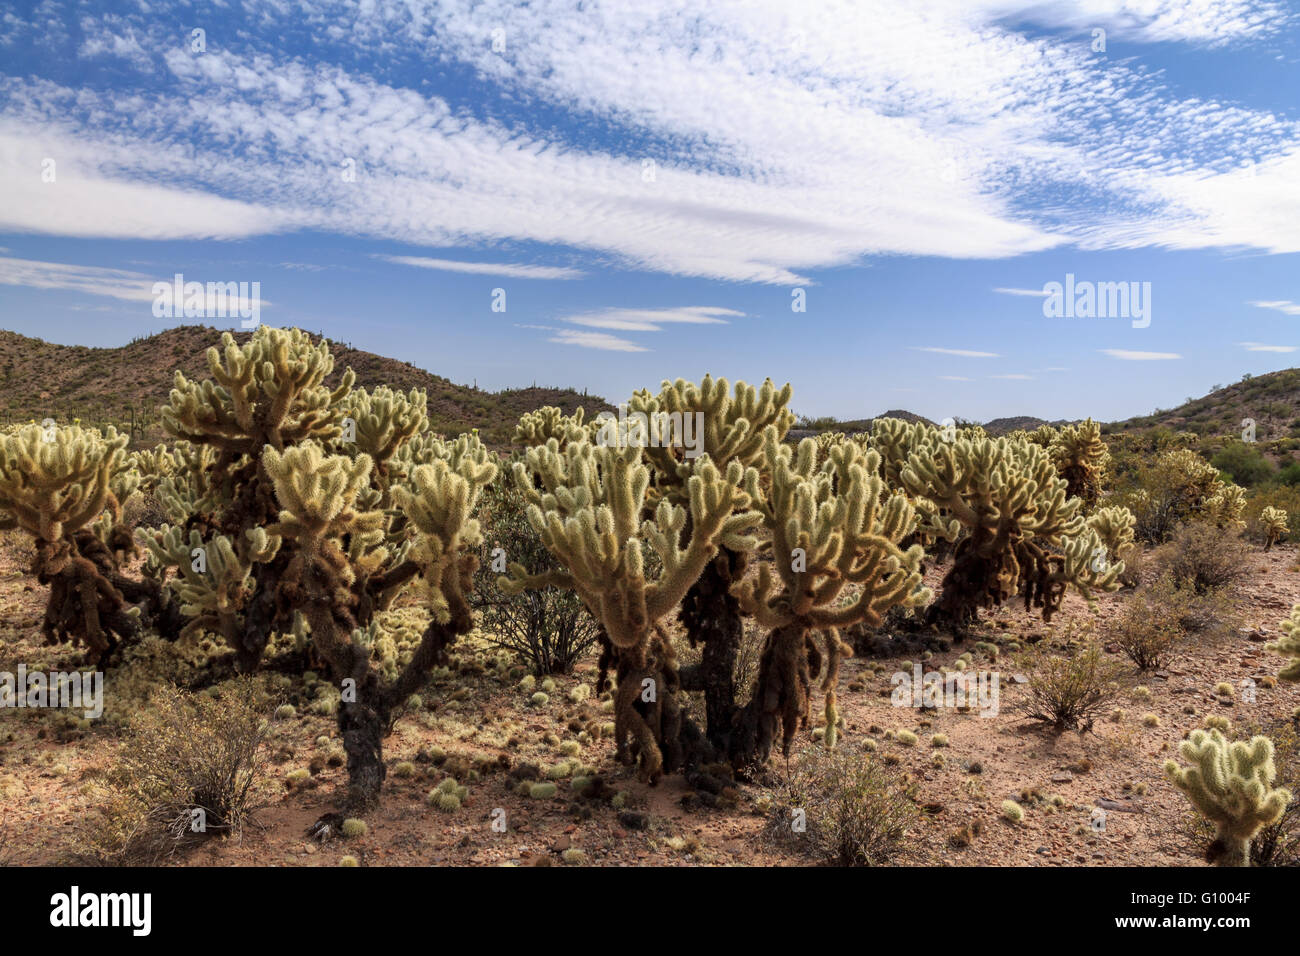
{"x":1062,"y":777}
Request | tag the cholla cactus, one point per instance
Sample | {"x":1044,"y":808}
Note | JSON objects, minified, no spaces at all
{"x":1081,"y":459}
{"x":835,"y":562}
{"x":588,"y":503}
{"x":300,"y":509}
{"x":1232,"y":786}
{"x":1289,"y":645}
{"x":377,"y":424}
{"x":1177,"y":487}
{"x":1017,"y":531}
{"x":540,"y":426}
{"x":728,"y":425}
{"x":1114,"y":527}
{"x":213,"y":581}
{"x":339,"y":568}
{"x":1273,"y":522}
{"x":58,"y":485}
{"x":267,"y":392}
{"x":1224,"y":508}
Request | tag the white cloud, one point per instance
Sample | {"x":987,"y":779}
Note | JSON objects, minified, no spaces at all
{"x":651,"y":320}
{"x":1017,"y":376}
{"x":506,"y":269}
{"x":596,"y":340}
{"x":91,"y":280}
{"x":1260,"y":347}
{"x":964,"y":353}
{"x":1037,"y":293}
{"x":954,"y":378}
{"x":1280,"y":305}
{"x":783,"y":141}
{"x":1129,"y":355}
{"x":126,"y":285}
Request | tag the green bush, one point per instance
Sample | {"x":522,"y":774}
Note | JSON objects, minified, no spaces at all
{"x":547,"y":630}
{"x":1244,"y":462}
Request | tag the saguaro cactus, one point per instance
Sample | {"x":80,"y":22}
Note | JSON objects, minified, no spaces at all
{"x":588,"y":504}
{"x":1232,"y":786}
{"x":835,"y":562}
{"x":54,"y":484}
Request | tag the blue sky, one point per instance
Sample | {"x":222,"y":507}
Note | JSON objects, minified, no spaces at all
{"x":649,"y":183}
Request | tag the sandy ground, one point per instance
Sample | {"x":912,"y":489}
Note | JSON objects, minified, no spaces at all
{"x":46,"y":773}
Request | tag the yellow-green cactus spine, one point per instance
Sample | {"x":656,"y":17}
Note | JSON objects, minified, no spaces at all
{"x":1289,"y":646}
{"x":1232,"y":787}
{"x":61,"y":486}
{"x":836,"y":561}
{"x":1273,"y":522}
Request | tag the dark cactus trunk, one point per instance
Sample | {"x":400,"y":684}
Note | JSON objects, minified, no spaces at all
{"x":712,"y":618}
{"x":363,"y":724}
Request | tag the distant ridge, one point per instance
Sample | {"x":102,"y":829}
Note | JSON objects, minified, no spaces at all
{"x":39,"y":380}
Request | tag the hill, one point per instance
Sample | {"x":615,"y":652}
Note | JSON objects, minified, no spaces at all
{"x":125,"y":385}
{"x":1272,"y":401}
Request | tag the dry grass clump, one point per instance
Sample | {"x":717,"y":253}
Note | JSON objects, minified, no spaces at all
{"x":187,"y":769}
{"x":856,"y":810}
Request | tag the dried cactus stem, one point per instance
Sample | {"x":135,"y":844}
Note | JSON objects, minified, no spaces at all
{"x":790,"y":662}
{"x":712,"y":618}
{"x":84,"y":605}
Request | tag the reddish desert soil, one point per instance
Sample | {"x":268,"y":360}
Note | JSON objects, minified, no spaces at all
{"x":45,"y":774}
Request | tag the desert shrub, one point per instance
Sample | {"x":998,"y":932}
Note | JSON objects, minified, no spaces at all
{"x":1068,"y":692}
{"x":1203,"y":558}
{"x":547,"y":629}
{"x":184,"y":753}
{"x":1244,"y":463}
{"x":857,"y":810}
{"x":1150,"y":624}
